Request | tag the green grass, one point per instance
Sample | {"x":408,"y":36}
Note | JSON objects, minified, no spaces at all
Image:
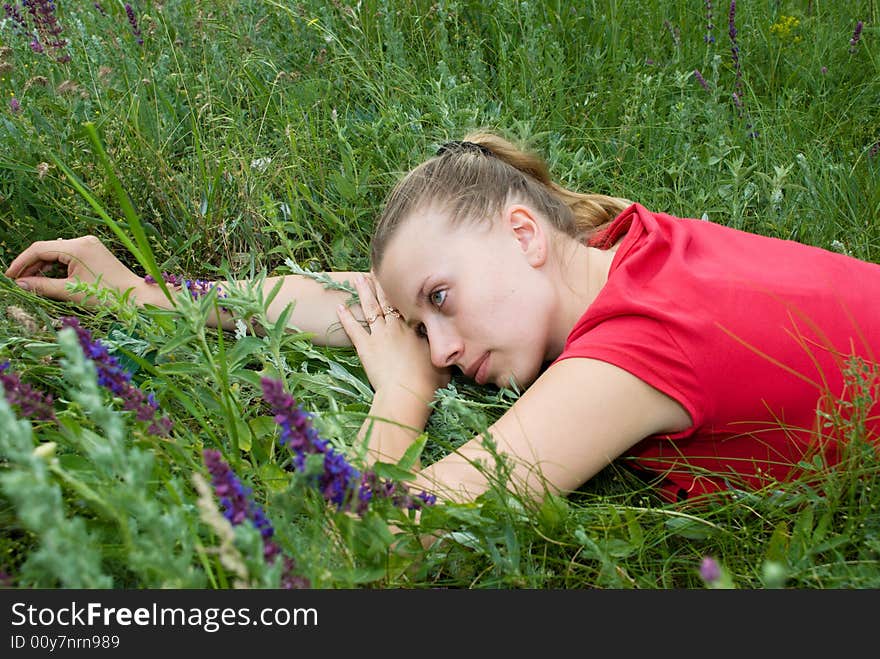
{"x":248,"y":133}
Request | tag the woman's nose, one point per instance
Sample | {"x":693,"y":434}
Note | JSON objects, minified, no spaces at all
{"x":446,"y":347}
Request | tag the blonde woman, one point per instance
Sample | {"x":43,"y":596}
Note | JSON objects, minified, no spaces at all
{"x":710,"y":357}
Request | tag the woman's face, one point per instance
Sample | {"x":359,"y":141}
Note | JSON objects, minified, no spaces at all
{"x":476,"y":292}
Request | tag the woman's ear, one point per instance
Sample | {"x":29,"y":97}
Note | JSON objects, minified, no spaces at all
{"x":529,"y":233}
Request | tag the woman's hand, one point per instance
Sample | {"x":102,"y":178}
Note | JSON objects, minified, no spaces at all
{"x":87,"y":259}
{"x":392,"y":353}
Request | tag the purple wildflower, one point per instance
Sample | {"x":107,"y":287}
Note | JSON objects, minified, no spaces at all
{"x":297,"y":432}
{"x":100,"y":9}
{"x":18,"y":21}
{"x":132,"y":19}
{"x":824,"y":70}
{"x":373,"y":487}
{"x":875,"y":150}
{"x":674,"y":32}
{"x":32,"y":403}
{"x":238,"y":507}
{"x":115,"y":378}
{"x":339,"y":482}
{"x":14,"y":105}
{"x":734,"y":49}
{"x":45,"y":22}
{"x":171,"y":280}
{"x":737,"y":93}
{"x":857,"y":34}
{"x":234,"y":496}
{"x":197,"y":287}
{"x":710,"y":571}
{"x":702,"y":80}
{"x":338,"y":479}
{"x":709,"y":38}
{"x":737,"y":101}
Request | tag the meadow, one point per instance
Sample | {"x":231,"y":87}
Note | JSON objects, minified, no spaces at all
{"x":238,"y":140}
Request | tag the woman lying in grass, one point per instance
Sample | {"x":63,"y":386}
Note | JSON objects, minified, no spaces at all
{"x":712,"y":357}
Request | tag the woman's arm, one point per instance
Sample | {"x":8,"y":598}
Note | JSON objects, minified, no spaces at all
{"x":399,"y":367}
{"x":87,"y":259}
{"x":572,"y":422}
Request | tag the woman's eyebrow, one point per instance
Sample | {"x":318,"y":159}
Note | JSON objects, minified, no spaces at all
{"x":422,"y":293}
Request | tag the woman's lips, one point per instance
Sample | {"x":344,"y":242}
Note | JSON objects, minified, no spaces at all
{"x":482,"y":372}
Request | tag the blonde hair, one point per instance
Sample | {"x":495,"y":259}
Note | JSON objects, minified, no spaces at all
{"x":473,"y":179}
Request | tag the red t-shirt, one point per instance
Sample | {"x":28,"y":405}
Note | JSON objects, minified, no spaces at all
{"x":750,"y":334}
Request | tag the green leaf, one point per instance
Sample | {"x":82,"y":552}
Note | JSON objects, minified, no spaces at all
{"x":275,"y":478}
{"x":366,"y":574}
{"x":175,"y":342}
{"x":466,"y":539}
{"x":181,"y":368}
{"x":96,"y":205}
{"x":689,"y":528}
{"x":40,"y":349}
{"x":554,"y":509}
{"x":823,"y":526}
{"x":392,"y":472}
{"x":244,"y":348}
{"x":144,"y":252}
{"x":636,"y":536}
{"x":77,"y":464}
{"x":263,"y":426}
{"x":244,"y":434}
{"x":246,"y":375}
{"x":802,"y":533}
{"x":338,"y":372}
{"x":344,"y":186}
{"x":619,"y":548}
{"x":777,"y":546}
{"x":264,"y":430}
{"x":412,"y":455}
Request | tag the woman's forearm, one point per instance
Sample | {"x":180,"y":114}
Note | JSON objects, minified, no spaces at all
{"x":314,"y":306}
{"x":396,"y":419}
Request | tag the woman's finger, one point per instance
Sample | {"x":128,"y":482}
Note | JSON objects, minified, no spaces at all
{"x":387,"y":308}
{"x":367,"y":297}
{"x":50,"y":287}
{"x":37,"y":257}
{"x":352,"y":326}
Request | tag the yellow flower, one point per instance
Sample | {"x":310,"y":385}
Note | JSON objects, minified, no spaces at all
{"x":785,"y":28}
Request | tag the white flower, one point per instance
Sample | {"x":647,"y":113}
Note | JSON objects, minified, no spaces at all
{"x":260,"y":163}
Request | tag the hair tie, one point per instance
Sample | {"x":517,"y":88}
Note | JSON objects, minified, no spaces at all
{"x":463,"y":146}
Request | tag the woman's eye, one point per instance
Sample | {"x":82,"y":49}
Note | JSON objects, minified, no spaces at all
{"x":437,"y":298}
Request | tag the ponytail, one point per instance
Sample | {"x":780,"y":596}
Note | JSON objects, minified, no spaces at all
{"x":590,"y":211}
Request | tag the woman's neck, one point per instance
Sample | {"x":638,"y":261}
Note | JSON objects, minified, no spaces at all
{"x":582,"y":274}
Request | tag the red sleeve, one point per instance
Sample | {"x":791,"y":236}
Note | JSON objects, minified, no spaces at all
{"x":644,"y":348}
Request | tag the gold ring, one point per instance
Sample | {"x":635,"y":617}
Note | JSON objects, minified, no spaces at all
{"x":390,"y":311}
{"x":372,"y":319}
